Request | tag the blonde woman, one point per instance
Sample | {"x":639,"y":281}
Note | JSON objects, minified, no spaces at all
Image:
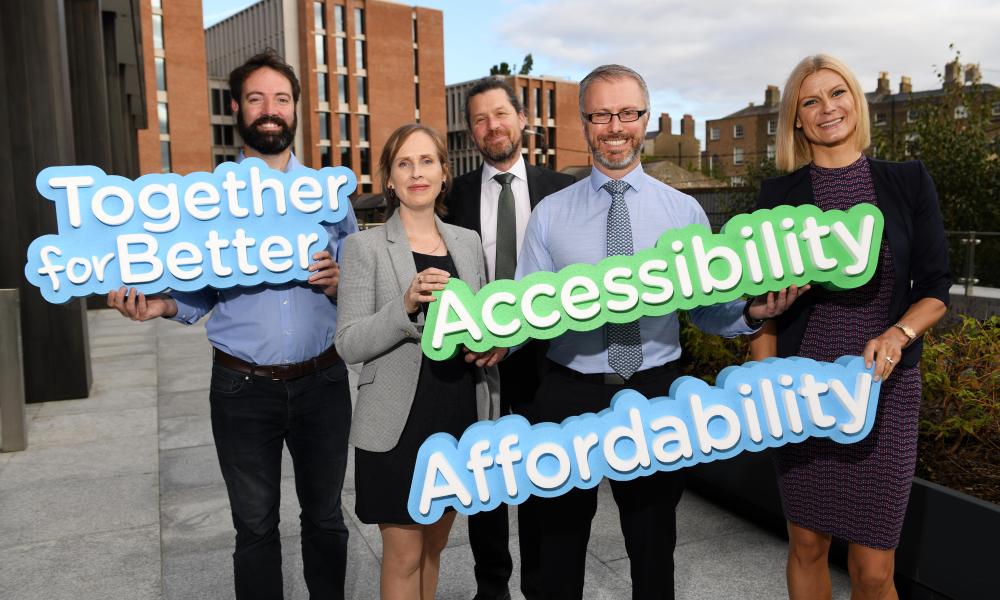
{"x":856,"y":492}
{"x":387,"y":276}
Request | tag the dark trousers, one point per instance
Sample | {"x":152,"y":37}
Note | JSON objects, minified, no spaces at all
{"x":252,"y":418}
{"x":489,"y":531}
{"x":647,"y":505}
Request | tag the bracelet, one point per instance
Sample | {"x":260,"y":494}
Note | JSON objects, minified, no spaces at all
{"x":751,"y":322}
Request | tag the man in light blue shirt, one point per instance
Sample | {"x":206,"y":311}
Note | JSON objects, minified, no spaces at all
{"x":276,"y":377}
{"x":617,"y":210}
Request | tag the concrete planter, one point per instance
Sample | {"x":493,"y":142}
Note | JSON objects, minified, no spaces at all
{"x":950,"y":546}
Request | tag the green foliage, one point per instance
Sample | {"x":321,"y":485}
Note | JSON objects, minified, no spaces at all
{"x":705,"y":354}
{"x":745,"y":199}
{"x":508,"y":69}
{"x":961,"y":154}
{"x":501,"y":69}
{"x":961,"y":385}
{"x":526,"y":65}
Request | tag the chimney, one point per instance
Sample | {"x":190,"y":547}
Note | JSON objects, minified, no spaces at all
{"x":687,"y":126}
{"x":665,"y":123}
{"x":772,"y":96}
{"x":972,"y":74}
{"x":905,"y":87}
{"x":882,"y":89}
{"x":953,"y":73}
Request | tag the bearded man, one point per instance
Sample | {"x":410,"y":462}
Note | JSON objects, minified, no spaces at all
{"x":495,"y":201}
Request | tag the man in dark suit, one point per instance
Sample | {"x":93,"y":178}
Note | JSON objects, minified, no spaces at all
{"x":496,"y":200}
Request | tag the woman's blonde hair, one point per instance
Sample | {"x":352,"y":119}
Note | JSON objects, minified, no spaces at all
{"x":793,"y":148}
{"x":391,"y":149}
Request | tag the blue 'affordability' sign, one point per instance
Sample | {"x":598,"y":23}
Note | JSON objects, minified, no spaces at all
{"x":242,"y":224}
{"x":753,"y":406}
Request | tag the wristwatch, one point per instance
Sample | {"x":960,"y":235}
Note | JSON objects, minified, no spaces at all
{"x":751,"y":322}
{"x":907,"y":331}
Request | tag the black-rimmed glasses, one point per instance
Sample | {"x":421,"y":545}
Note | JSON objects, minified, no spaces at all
{"x":626,"y":116}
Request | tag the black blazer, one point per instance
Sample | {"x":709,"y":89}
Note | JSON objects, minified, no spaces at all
{"x":914,"y":231}
{"x":521,"y":373}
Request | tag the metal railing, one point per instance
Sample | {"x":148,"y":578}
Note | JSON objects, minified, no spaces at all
{"x":975,"y":259}
{"x":13,"y":421}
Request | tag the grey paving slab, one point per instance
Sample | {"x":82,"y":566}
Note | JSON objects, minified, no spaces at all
{"x":132,"y":378}
{"x":39,"y":512}
{"x":91,"y":460}
{"x":183,"y":382}
{"x":129,"y":360}
{"x":699,"y":519}
{"x":184,"y":404}
{"x":102,"y":401}
{"x":114,"y":565}
{"x":196,"y":519}
{"x":139,"y":340}
{"x":88,"y":427}
{"x":189,"y":467}
{"x":183,"y":432}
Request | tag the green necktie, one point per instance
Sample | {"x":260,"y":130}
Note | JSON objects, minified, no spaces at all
{"x":506,"y":257}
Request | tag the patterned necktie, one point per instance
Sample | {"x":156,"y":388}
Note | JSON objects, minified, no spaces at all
{"x":624,"y":341}
{"x":506,"y":257}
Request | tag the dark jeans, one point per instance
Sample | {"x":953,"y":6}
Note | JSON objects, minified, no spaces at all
{"x":252,"y":418}
{"x":646,"y":506}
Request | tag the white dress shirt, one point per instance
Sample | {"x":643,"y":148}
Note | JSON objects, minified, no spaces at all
{"x":488,"y":201}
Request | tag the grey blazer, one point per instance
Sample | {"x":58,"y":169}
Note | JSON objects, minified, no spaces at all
{"x":373,"y":327}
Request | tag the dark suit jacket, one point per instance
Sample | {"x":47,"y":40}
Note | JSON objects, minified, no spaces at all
{"x":520,"y":373}
{"x":914,"y":231}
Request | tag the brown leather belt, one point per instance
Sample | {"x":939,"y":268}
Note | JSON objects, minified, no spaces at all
{"x":328,"y":358}
{"x":615,"y":378}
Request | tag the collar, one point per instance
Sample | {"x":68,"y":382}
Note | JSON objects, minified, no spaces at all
{"x":634,"y":178}
{"x":518,"y":170}
{"x":293,"y":163}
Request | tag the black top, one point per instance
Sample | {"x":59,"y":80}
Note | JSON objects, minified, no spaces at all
{"x":914,"y":230}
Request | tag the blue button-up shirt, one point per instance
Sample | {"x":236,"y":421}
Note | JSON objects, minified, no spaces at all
{"x":270,"y":324}
{"x":570,"y":226}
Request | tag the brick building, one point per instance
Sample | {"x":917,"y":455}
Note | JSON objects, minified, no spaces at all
{"x":681,"y":149}
{"x":748,"y":135}
{"x":177,"y":137}
{"x":553,"y":135}
{"x":366,"y":67}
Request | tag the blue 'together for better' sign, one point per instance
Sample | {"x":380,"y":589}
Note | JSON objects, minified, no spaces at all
{"x":754,"y":406}
{"x":243,"y":224}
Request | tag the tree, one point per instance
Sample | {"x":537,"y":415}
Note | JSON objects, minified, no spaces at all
{"x":508,"y":69}
{"x":526,"y":65}
{"x":501,"y":69}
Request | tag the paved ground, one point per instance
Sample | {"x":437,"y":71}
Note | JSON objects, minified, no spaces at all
{"x":119,"y":496}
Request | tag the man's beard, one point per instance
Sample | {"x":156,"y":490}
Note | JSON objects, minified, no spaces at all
{"x":502,"y":153}
{"x":619,"y":163}
{"x":267,"y":142}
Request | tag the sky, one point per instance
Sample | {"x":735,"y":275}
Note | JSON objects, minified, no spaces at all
{"x":710,"y":58}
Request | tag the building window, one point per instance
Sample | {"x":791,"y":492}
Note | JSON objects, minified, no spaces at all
{"x":342,"y":89}
{"x":338,"y":18}
{"x":362,"y":92}
{"x":737,"y":156}
{"x":359,"y":55}
{"x":342,"y":52}
{"x":416,"y":94}
{"x":320,"y":49}
{"x":911,"y":115}
{"x":359,"y":21}
{"x":345,"y":127}
{"x":325,"y":156}
{"x":222,"y":135}
{"x":321,"y":92}
{"x":366,"y":162}
{"x":772,"y":127}
{"x":216,"y":101}
{"x":158,"y":32}
{"x":880,"y":119}
{"x":770,"y":152}
{"x":736,"y":180}
{"x":164,"y":157}
{"x":738,"y":131}
{"x":414,"y":29}
{"x":961,"y":112}
{"x":995,"y":109}
{"x":161,"y":113}
{"x":319,"y":16}
{"x":345,"y":156}
{"x":227,"y":103}
{"x":713,"y":162}
{"x":156,"y":3}
{"x":416,"y":62}
{"x":538,"y":103}
{"x":161,"y":73}
{"x":363,"y":128}
{"x":324,"y":125}
{"x":713,"y":133}
{"x":524,"y":98}
{"x":552,"y":105}
{"x":911,"y":140}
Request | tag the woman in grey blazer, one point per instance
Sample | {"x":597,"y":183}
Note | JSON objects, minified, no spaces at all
{"x":387,"y":277}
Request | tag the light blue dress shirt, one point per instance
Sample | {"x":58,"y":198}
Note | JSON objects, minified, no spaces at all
{"x":270,"y":324}
{"x":570,"y":226}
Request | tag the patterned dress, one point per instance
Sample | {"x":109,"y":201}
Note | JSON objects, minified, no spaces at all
{"x":857,"y":492}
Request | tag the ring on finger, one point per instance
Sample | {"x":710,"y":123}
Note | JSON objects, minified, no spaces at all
{"x":889,"y":360}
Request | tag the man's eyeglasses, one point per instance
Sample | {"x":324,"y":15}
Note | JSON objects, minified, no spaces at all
{"x":625,"y":116}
